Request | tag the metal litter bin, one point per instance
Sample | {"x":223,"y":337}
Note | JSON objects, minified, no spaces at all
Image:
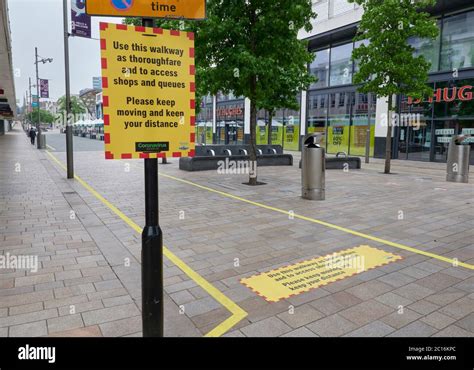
{"x":41,"y":141}
{"x":313,"y":168}
{"x":458,"y":160}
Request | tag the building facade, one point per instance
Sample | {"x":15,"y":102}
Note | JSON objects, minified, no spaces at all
{"x":355,"y":122}
{"x":8,"y":103}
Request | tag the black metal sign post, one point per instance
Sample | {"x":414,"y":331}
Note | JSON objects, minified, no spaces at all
{"x":152,"y":250}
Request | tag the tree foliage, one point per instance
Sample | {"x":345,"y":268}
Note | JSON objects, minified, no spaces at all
{"x":251,"y":48}
{"x":387,"y":64}
{"x":77,"y":106}
{"x":45,"y":116}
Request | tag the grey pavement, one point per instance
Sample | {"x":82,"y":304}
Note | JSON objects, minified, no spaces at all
{"x":89,"y":280}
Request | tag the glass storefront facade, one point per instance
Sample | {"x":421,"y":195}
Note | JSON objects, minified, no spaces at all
{"x":451,"y":109}
{"x":230,"y":121}
{"x":285,"y":128}
{"x":345,"y":119}
{"x":449,"y":112}
{"x":453,"y":49}
{"x":204,"y":122}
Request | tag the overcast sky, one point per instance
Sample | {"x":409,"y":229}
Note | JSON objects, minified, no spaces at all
{"x":40,"y":23}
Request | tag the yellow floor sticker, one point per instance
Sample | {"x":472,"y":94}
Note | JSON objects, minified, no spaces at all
{"x":301,"y":277}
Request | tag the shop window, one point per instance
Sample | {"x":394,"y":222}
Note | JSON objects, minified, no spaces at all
{"x":457,"y":49}
{"x":341,"y":65}
{"x":362,"y":125}
{"x":317,"y":114}
{"x":428,"y":48}
{"x":291,"y":128}
{"x":319,"y":68}
{"x":338,"y":127}
{"x":262,"y":127}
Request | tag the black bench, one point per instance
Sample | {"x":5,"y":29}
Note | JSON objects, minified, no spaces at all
{"x":341,"y":163}
{"x":211,"y":157}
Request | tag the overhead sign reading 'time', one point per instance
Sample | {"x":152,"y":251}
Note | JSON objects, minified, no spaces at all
{"x":182,"y":9}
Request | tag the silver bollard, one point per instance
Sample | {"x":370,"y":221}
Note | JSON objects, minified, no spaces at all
{"x":458,"y":160}
{"x":313,"y":168}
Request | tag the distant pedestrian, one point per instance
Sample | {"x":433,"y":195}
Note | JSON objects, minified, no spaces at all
{"x":32,"y":136}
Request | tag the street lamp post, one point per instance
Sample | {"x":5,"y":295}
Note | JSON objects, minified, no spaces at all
{"x":38,"y":124}
{"x":69,"y":136}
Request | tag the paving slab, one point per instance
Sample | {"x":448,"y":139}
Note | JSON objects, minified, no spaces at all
{"x":90,"y":268}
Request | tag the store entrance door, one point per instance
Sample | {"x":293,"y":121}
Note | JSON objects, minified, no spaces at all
{"x":231,"y":133}
{"x":419,"y":142}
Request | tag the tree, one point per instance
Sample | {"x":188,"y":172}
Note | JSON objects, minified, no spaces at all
{"x":279,"y":101}
{"x":77,"y":106}
{"x":45,"y":116}
{"x":251,"y":48}
{"x":387,"y":63}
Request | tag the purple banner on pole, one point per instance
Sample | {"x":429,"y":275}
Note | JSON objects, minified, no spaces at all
{"x":80,"y":21}
{"x":44,"y":88}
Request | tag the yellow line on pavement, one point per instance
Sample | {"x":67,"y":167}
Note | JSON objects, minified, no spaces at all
{"x":327,"y":224}
{"x":237,"y":313}
{"x":50,"y":147}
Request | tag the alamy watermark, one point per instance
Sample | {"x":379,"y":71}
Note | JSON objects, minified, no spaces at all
{"x":237,"y":167}
{"x":401,"y":120}
{"x":350,"y":261}
{"x":8,"y":261}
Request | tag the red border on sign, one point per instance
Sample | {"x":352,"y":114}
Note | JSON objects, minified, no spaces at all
{"x":106,"y":99}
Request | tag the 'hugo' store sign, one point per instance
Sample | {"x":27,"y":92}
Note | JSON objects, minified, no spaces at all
{"x":447,"y":94}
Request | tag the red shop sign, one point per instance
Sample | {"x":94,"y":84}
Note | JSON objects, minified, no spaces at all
{"x":447,"y":94}
{"x":229,"y":112}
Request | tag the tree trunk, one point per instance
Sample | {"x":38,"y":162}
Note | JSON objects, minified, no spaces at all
{"x":253,"y":144}
{"x":270,"y":119}
{"x":388,"y":141}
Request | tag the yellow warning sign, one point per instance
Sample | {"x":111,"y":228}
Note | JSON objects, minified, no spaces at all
{"x":182,"y":9}
{"x":148,"y":91}
{"x":301,"y":277}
